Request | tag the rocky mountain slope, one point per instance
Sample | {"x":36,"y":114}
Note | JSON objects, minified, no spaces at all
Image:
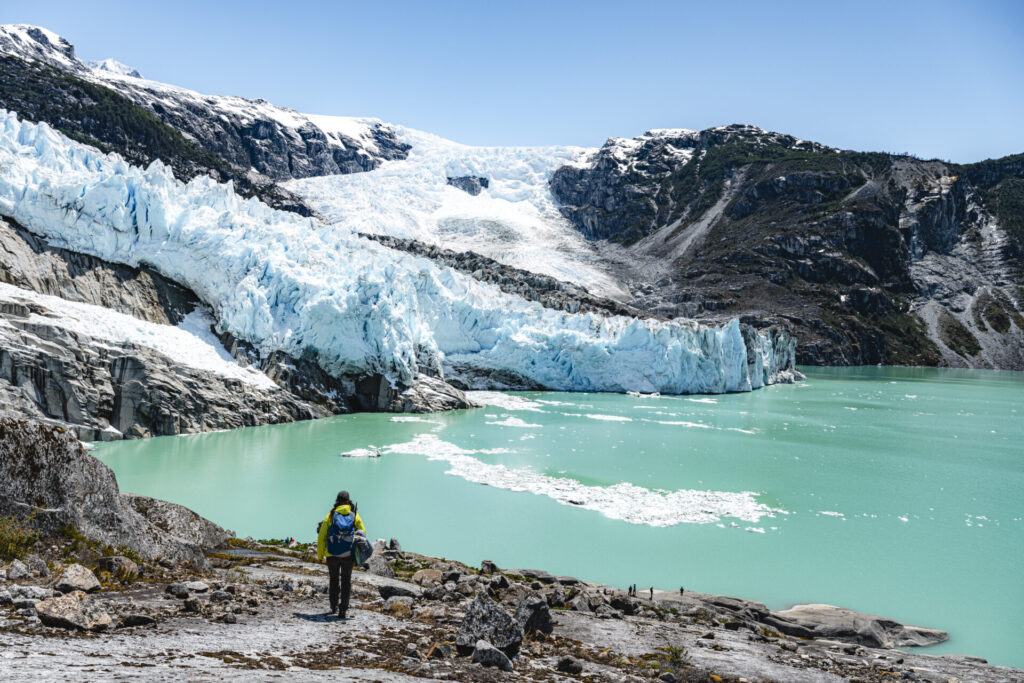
{"x":871,"y":257}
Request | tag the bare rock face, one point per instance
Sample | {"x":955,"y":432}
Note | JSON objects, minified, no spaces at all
{"x":73,"y":611}
{"x":837,"y":623}
{"x":48,"y":478}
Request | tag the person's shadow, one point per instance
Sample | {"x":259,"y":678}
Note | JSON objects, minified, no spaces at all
{"x":321,"y":618}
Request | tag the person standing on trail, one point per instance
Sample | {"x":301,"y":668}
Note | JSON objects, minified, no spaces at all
{"x":335,"y":541}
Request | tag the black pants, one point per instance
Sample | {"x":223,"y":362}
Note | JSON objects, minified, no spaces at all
{"x":343,"y":566}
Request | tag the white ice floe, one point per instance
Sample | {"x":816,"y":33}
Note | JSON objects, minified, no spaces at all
{"x":284,"y":283}
{"x":512,"y":421}
{"x":191,"y":344}
{"x":623,"y":501}
{"x":371,"y":452}
{"x":505,"y":401}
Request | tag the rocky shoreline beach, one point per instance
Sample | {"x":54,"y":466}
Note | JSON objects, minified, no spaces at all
{"x":110,"y":586}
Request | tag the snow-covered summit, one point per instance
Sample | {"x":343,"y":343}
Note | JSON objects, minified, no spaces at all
{"x":34,"y":42}
{"x":284,"y":283}
{"x":278,"y":142}
{"x":115,"y":67}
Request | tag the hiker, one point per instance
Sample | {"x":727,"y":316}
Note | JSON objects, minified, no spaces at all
{"x":652,"y":592}
{"x":681,"y":591}
{"x":334,"y":541}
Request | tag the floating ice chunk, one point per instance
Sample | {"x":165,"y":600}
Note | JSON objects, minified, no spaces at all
{"x":512,"y":422}
{"x":504,"y":401}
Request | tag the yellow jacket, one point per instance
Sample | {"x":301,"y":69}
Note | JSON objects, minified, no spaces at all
{"x":325,"y":526}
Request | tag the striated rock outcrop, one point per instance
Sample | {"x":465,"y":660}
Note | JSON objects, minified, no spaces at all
{"x":837,"y":623}
{"x":48,"y":479}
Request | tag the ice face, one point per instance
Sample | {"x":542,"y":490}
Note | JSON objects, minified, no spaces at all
{"x":283,"y":282}
{"x":514,"y":220}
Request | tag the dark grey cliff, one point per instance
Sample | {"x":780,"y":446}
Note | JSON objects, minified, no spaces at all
{"x":49,"y":480}
{"x":869,"y":257}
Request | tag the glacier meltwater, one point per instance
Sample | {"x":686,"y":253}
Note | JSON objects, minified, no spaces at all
{"x":287,"y":283}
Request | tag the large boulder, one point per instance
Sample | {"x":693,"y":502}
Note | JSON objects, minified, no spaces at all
{"x":533,"y":615}
{"x":379,"y":566}
{"x":486,"y":620}
{"x":179,"y":521}
{"x":486,"y":654}
{"x":74,"y":612}
{"x":75,"y":577}
{"x":50,"y":480}
{"x":837,"y":623}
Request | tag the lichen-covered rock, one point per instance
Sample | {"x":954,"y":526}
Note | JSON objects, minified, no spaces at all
{"x":74,"y":612}
{"x":486,"y":620}
{"x":17,"y":570}
{"x":75,"y":577}
{"x":179,"y":521}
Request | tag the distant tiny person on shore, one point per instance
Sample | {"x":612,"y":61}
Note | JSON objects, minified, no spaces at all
{"x":336,"y":537}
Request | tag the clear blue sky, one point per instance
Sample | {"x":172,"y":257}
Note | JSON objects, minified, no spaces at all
{"x":938,"y":78}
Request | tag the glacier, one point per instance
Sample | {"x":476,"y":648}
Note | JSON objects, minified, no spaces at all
{"x":286,"y":283}
{"x":514,"y":221}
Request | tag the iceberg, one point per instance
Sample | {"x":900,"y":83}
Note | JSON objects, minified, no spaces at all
{"x":286,"y":283}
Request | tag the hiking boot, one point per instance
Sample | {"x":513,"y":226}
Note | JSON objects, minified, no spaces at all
{"x":341,"y":615}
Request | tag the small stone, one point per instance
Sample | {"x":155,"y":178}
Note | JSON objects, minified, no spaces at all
{"x":220,"y":596}
{"x":17,"y":570}
{"x":393,"y":544}
{"x":536,"y":585}
{"x":178,"y":590}
{"x":569,"y":665}
{"x":668,"y":677}
{"x":426,"y":575}
{"x":398,"y":605}
{"x":196,"y":586}
{"x":138,"y":620}
{"x":411,"y":651}
{"x":488,"y":567}
{"x":5,"y":597}
{"x":487,"y":655}
{"x":192,"y":605}
{"x":499,"y":582}
{"x":451,"y":576}
{"x":75,"y":577}
{"x":708,"y":636}
{"x":579,"y":604}
{"x":37,"y":566}
{"x":788,"y":645}
{"x":440,"y":651}
{"x":229,"y":619}
{"x":410,"y":662}
{"x":387,"y":591}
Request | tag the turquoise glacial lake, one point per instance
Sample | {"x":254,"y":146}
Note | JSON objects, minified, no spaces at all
{"x":894,"y":491}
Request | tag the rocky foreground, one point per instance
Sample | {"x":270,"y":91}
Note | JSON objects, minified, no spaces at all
{"x":109,"y":586}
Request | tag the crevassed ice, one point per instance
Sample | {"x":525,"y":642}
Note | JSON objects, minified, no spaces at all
{"x":514,"y":221}
{"x":282,"y":282}
{"x":624,"y":501}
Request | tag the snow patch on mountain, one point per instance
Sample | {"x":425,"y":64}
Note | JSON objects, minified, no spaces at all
{"x":190,"y":344}
{"x":115,"y":67}
{"x":285,"y":283}
{"x":514,"y":220}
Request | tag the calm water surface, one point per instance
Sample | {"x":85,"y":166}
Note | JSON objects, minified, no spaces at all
{"x":893,"y":491}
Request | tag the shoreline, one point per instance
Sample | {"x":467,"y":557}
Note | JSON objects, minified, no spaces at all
{"x":260,"y":607}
